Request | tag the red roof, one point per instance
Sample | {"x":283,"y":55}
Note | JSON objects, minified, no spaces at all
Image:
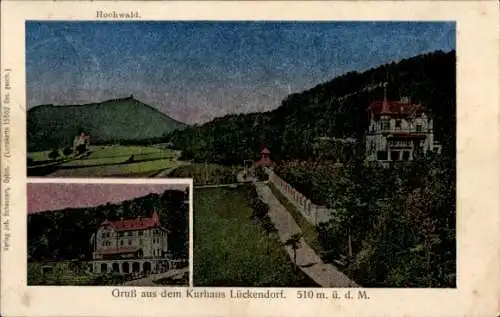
{"x":135,"y":224}
{"x":265,"y":151}
{"x":263,"y":161}
{"x":396,"y":108}
{"x":118,"y":251}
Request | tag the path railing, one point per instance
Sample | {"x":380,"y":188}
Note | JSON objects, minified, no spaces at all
{"x":314,"y":214}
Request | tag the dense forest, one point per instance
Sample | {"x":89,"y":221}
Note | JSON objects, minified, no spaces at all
{"x":336,"y":108}
{"x":65,"y":234}
{"x":396,"y":225}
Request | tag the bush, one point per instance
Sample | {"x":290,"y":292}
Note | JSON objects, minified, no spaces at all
{"x":67,"y":151}
{"x":54,"y":154}
{"x":82,"y":148}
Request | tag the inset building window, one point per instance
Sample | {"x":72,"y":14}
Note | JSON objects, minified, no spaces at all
{"x":406,"y":155}
{"x":394,"y":155}
{"x":382,"y":155}
{"x":419,"y":128}
{"x":385,"y":125}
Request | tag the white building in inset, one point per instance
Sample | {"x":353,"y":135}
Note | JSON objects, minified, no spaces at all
{"x":398,"y":131}
{"x":131,"y":245}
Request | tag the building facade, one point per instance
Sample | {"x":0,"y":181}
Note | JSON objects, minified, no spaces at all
{"x":82,"y":139}
{"x":399,"y":131}
{"x":131,"y":246}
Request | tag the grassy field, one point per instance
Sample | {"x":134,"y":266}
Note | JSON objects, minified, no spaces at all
{"x":230,"y":248}
{"x":116,"y":161}
{"x":64,"y":273}
{"x":39,"y":156}
{"x":207,"y":174}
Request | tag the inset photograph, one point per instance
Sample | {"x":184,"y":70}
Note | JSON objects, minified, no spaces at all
{"x":134,"y":234}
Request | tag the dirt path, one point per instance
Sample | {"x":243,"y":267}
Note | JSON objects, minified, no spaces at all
{"x":309,"y":261}
{"x":149,"y":280}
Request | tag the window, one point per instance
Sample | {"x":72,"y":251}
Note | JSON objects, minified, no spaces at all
{"x":385,"y":124}
{"x":394,"y":155}
{"x":120,"y":234}
{"x":140,"y":233}
{"x":129,"y":242}
{"x":121,"y":242}
{"x":406,"y":156}
{"x":398,"y":124}
{"x":382,"y":155}
{"x":419,"y":128}
{"x":140,"y":242}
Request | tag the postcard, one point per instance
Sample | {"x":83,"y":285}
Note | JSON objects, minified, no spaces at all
{"x":250,"y":158}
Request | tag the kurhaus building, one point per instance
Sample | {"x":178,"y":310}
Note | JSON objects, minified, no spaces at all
{"x":398,"y":131}
{"x":131,"y":246}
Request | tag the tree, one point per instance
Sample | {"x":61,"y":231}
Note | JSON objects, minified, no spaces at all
{"x":67,"y":151}
{"x":269,"y":228}
{"x":54,"y":154}
{"x":294,"y":243}
{"x":82,"y":148}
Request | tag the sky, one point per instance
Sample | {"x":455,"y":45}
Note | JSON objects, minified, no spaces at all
{"x":57,"y":196}
{"x":195,"y":71}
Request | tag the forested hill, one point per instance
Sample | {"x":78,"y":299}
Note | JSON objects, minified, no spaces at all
{"x":124,"y":119}
{"x":336,"y":108}
{"x":65,"y":234}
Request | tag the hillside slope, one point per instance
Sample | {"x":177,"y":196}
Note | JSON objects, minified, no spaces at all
{"x":125,"y":119}
{"x":332,"y":109}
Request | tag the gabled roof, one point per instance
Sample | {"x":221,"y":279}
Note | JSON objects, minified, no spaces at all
{"x":265,"y":151}
{"x":395,"y":108}
{"x":263,"y":161}
{"x":135,"y":224}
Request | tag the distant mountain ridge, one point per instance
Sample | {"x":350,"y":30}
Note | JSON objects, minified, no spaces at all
{"x":110,"y":121}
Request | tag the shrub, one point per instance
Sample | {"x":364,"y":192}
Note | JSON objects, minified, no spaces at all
{"x":54,"y":154}
{"x":67,"y":151}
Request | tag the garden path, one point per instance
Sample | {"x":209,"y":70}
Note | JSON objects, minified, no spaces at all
{"x":325,"y":274}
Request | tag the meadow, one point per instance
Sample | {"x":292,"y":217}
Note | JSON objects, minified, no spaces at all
{"x":207,"y":174}
{"x":69,"y":273}
{"x":230,"y":248}
{"x":114,"y":161}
